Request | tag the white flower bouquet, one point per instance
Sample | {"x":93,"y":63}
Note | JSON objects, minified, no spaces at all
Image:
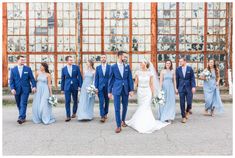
{"x":52,"y":100}
{"x":207,"y":74}
{"x":160,"y":99}
{"x":91,"y":90}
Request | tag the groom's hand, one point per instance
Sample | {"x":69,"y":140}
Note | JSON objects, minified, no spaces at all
{"x":131,"y":93}
{"x":34,"y":90}
{"x":193,"y":90}
{"x":13,"y":92}
{"x":110,"y":95}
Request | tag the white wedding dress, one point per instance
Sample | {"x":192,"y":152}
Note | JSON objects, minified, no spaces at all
{"x":143,"y":119}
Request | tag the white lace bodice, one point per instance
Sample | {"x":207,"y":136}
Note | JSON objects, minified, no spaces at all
{"x":144,"y":78}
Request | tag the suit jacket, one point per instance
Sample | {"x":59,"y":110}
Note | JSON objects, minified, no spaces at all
{"x":187,"y":82}
{"x":66,"y":79}
{"x":102,"y":80}
{"x":117,"y":82}
{"x":22,"y":83}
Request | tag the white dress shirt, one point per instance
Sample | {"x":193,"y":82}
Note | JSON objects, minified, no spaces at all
{"x":121,"y":68}
{"x":184,"y":70}
{"x":20,"y":68}
{"x":103,"y":68}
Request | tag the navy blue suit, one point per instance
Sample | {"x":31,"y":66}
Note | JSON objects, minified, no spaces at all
{"x":70,"y":84}
{"x":22,"y":87}
{"x":120,"y":87}
{"x":184,"y":86}
{"x":101,"y":83}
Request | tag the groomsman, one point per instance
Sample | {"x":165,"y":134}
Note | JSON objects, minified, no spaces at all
{"x":20,"y":79}
{"x":185,"y":81}
{"x":101,"y":83}
{"x":71,"y":82}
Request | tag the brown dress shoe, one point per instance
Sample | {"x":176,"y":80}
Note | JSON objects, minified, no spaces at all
{"x":183,"y":120}
{"x":212,"y":112}
{"x":124,"y":124}
{"x":67,"y":119}
{"x":102,"y":119}
{"x":118,"y":130}
{"x":187,"y":115}
{"x":74,"y":116}
{"x":106,"y":117}
{"x":190,"y":112}
{"x":206,"y":113}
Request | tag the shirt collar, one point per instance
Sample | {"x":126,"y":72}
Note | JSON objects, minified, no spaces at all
{"x":119,"y":63}
{"x":20,"y":66}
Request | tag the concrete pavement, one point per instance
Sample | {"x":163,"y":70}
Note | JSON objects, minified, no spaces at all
{"x":201,"y":135}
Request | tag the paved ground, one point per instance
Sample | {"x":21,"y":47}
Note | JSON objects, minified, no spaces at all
{"x":201,"y":135}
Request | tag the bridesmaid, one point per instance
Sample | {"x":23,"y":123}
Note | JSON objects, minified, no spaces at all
{"x":42,"y":111}
{"x":86,"y":102}
{"x":166,"y":113}
{"x":211,"y":90}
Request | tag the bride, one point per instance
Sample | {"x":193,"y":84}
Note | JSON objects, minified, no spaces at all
{"x":147,"y":85}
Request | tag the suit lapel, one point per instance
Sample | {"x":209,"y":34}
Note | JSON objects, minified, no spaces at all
{"x":72,"y":70}
{"x":106,"y":71}
{"x":101,"y":70}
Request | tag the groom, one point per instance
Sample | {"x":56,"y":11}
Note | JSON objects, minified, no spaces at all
{"x":20,"y":79}
{"x":71,"y":82}
{"x":120,"y":86}
{"x":185,"y":81}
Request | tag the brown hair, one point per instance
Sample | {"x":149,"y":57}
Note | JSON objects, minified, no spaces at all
{"x":67,"y":57}
{"x":147,"y":63}
{"x":19,"y":56}
{"x":92,"y":63}
{"x":46,"y":67}
{"x":215,"y":67}
{"x":183,"y":57}
{"x":171,"y":67}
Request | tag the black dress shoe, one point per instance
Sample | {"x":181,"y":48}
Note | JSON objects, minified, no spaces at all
{"x":68,"y":119}
{"x":20,"y":121}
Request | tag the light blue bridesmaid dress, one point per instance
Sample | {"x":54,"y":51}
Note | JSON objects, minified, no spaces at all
{"x":86,"y":102}
{"x":42,"y":111}
{"x":212,"y":95}
{"x":167,"y":111}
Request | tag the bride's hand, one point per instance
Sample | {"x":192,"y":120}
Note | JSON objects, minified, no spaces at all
{"x":176,"y":91}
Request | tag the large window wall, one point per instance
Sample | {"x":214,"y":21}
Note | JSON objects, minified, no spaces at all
{"x":48,"y":32}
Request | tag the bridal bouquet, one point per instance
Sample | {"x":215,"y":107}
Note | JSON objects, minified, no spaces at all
{"x":160,"y":99}
{"x":91,"y":90}
{"x":207,"y":74}
{"x":52,"y":100}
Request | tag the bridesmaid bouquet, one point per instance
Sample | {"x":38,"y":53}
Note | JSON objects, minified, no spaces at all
{"x":160,"y":99}
{"x":207,"y":74}
{"x":91,"y":90}
{"x":52,"y":100}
